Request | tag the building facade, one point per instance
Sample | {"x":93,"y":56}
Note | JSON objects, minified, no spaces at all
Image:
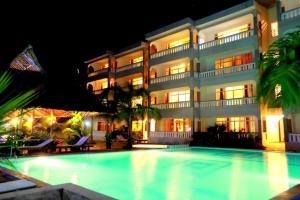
{"x":204,"y":72}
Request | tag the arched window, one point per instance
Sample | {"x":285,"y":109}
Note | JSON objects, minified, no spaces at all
{"x":90,"y":88}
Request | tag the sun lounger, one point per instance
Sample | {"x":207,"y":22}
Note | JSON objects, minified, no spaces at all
{"x":80,"y":144}
{"x":16,"y":185}
{"x":41,"y":146}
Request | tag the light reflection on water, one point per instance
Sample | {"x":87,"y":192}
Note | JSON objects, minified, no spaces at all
{"x":196,"y":173}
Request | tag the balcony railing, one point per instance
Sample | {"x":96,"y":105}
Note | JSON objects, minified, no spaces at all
{"x":227,"y":39}
{"x":128,"y":67}
{"x":169,"y":78}
{"x":183,"y":104}
{"x":227,"y":102}
{"x":294,"y":137}
{"x":98,"y":72}
{"x":184,"y":135}
{"x":290,"y":14}
{"x":173,"y":50}
{"x":227,"y":70}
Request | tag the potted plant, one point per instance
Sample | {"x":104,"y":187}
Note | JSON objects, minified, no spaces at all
{"x":108,"y":140}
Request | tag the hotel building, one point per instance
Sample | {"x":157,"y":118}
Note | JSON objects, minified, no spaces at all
{"x":204,"y":72}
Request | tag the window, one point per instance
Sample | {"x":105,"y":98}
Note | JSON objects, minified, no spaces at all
{"x":101,"y":126}
{"x":179,"y":96}
{"x":234,"y":92}
{"x":137,"y":81}
{"x":274,"y":28}
{"x":137,"y":125}
{"x":237,"y":124}
{"x":233,"y":61}
{"x":138,"y":59}
{"x":178,"y":124}
{"x":178,"y":42}
{"x":178,"y":69}
{"x":152,"y":125}
{"x":136,"y":100}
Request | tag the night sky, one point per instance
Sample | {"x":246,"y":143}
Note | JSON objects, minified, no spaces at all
{"x":64,"y":35}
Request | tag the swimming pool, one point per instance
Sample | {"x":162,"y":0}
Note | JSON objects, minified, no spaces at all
{"x":188,"y":173}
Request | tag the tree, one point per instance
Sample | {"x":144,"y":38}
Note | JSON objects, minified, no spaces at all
{"x":279,"y":81}
{"x":119,"y":103}
{"x":8,"y":104}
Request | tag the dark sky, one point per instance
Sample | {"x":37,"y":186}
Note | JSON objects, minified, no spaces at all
{"x":66,"y":33}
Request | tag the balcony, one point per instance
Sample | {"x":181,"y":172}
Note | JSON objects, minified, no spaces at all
{"x":183,"y":104}
{"x":101,"y":71}
{"x":227,"y":103}
{"x":225,"y":40}
{"x":184,"y":135}
{"x":172,"y":77}
{"x":170,"y":51}
{"x":129,"y":67}
{"x":290,"y":14}
{"x":227,"y":70}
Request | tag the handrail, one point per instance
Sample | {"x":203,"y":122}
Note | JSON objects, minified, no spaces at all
{"x":98,"y":72}
{"x":171,"y":77}
{"x":294,"y":137}
{"x":227,"y":70}
{"x":130,"y":66}
{"x":227,"y":102}
{"x":171,"y":50}
{"x":290,"y":14}
{"x":183,"y":104}
{"x":170,"y":134}
{"x":226,"y":39}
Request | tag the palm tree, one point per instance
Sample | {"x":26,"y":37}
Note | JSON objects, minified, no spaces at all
{"x":9,"y":104}
{"x":120,"y":106}
{"x":279,"y":81}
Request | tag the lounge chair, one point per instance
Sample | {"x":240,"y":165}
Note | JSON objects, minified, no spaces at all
{"x":80,"y":144}
{"x":41,"y":147}
{"x":16,"y":185}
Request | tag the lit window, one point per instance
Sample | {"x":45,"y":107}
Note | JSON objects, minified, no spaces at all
{"x":136,"y":101}
{"x":178,"y":69}
{"x":137,"y":81}
{"x":274,"y":28}
{"x":139,"y":59}
{"x":234,"y":92}
{"x":233,"y":61}
{"x":277,"y":91}
{"x":233,"y":31}
{"x":106,"y":65}
{"x":137,"y":125}
{"x":152,"y":125}
{"x":179,"y":96}
{"x":178,"y":42}
{"x":178,"y":125}
{"x":237,"y":124}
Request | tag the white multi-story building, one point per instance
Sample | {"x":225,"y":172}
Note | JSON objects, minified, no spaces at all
{"x":204,"y":72}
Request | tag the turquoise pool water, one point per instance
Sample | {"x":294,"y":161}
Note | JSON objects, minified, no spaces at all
{"x":192,"y":173}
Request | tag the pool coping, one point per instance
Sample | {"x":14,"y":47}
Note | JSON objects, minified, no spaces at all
{"x":292,"y":193}
{"x":20,"y":175}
